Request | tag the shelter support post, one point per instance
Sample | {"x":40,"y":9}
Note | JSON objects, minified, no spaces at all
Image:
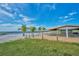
{"x":57,"y":33}
{"x":67,"y":34}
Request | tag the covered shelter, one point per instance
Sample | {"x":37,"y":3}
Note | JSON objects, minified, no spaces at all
{"x":66,"y":28}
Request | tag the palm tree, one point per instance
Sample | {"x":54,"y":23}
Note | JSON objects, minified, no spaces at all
{"x":32,"y":29}
{"x":42,"y":29}
{"x":23,"y":29}
{"x":39,"y":29}
{"x":29,"y":34}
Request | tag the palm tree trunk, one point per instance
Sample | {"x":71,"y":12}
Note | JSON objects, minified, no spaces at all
{"x":42,"y":34}
{"x":39,"y":34}
{"x":23,"y":34}
{"x":26,"y":35}
{"x":33,"y":35}
{"x":29,"y":34}
{"x":57,"y":34}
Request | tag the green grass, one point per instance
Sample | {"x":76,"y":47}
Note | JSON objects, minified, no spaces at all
{"x":35,"y":47}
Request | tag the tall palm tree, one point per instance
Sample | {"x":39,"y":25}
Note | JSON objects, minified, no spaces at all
{"x":23,"y":29}
{"x":32,"y":29}
{"x":42,"y":29}
{"x":39,"y":29}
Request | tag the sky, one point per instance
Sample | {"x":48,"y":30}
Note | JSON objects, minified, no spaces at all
{"x":13,"y":15}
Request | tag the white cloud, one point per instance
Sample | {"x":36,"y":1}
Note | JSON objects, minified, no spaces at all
{"x":9,"y":27}
{"x":1,"y":21}
{"x":5,"y":24}
{"x":21,"y":15}
{"x":16,"y":10}
{"x":54,"y":6}
{"x":63,"y":17}
{"x":18,"y":21}
{"x":51,"y":7}
{"x":10,"y":9}
{"x":6,"y":13}
{"x":69,"y":15}
{"x":66,"y":17}
{"x":6,"y":5}
{"x":27,"y":19}
{"x":38,"y":5}
{"x":9,"y":24}
{"x":66,"y":20}
{"x":72,"y":13}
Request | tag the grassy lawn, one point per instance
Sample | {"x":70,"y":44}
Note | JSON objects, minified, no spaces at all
{"x":35,"y":47}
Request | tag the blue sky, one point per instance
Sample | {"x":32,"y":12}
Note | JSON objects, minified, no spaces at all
{"x":12,"y":16}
